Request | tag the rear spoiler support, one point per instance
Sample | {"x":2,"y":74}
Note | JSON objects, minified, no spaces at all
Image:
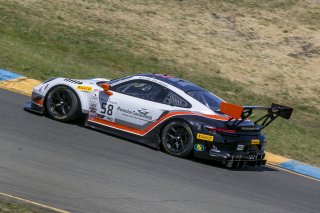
{"x":238,"y":114}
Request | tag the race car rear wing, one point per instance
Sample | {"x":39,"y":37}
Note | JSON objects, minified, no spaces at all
{"x":238,"y":114}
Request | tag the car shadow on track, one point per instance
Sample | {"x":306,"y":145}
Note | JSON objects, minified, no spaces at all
{"x":80,"y":123}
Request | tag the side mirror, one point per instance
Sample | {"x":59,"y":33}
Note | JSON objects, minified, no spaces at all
{"x":106,"y":88}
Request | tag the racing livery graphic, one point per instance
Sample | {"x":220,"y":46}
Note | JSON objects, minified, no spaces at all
{"x":163,"y":112}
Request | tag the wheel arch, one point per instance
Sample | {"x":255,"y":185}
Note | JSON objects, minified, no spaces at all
{"x":186,"y":152}
{"x":177,"y":118}
{"x":65,"y":85}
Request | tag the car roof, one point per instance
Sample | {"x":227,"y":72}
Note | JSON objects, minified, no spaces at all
{"x":176,"y":82}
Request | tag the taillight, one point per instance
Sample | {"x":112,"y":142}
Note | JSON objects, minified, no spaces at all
{"x":214,"y":129}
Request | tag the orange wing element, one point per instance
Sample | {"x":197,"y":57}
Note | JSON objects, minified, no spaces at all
{"x":232,"y":110}
{"x":106,"y":88}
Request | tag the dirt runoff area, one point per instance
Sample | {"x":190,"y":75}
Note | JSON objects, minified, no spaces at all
{"x":271,"y":47}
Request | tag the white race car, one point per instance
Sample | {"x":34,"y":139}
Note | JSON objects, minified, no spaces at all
{"x":161,"y":111}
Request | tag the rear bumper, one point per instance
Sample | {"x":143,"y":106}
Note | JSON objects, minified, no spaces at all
{"x":234,"y":160}
{"x":236,"y":163}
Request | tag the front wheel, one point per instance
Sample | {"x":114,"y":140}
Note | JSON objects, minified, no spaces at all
{"x":177,"y":139}
{"x":62,"y":104}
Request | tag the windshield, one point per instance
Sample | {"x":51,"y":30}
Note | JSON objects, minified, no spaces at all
{"x":118,"y":79}
{"x":206,"y":98}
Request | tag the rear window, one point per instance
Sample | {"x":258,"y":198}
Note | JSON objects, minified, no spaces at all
{"x":173,"y":99}
{"x":206,"y":98}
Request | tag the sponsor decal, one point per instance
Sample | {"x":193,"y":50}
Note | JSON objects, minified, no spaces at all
{"x":72,"y":81}
{"x":199,"y":127}
{"x":143,"y":111}
{"x":84,"y":88}
{"x":240,"y":147}
{"x":199,"y":147}
{"x":100,"y":116}
{"x":153,"y":80}
{"x":205,"y":137}
{"x":255,"y":141}
{"x":46,"y":87}
{"x":93,"y":104}
{"x":123,"y":80}
{"x":141,"y":114}
{"x":214,"y":149}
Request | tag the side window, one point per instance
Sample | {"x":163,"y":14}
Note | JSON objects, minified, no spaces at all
{"x":175,"y":100}
{"x":139,"y":89}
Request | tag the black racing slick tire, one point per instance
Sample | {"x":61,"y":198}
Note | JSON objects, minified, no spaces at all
{"x":177,"y":139}
{"x":62,"y":104}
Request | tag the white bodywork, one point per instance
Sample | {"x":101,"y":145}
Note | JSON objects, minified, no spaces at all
{"x":83,"y":95}
{"x":128,"y":110}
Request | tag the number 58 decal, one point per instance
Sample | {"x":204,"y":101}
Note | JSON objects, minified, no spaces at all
{"x":106,"y":108}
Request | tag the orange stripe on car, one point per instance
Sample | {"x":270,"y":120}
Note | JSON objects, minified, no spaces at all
{"x":117,"y":126}
{"x":153,"y":125}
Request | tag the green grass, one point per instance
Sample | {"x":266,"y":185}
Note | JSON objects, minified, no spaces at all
{"x":39,"y":42}
{"x":10,"y":206}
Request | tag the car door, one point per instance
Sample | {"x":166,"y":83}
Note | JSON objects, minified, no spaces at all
{"x":102,"y":107}
{"x":135,"y":103}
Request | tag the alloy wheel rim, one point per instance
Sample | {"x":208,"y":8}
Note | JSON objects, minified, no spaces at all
{"x":60,"y":102}
{"x":176,"y":138}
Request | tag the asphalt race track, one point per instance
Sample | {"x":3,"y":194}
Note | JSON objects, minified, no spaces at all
{"x":77,"y":169}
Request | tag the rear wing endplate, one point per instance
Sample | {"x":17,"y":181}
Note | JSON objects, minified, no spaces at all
{"x":240,"y":113}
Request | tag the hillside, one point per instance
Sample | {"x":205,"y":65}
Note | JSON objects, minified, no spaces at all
{"x":246,"y":51}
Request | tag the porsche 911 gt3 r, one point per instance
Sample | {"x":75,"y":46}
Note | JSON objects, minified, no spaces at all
{"x":161,"y":111}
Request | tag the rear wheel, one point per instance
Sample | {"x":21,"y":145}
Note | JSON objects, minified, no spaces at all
{"x":62,"y":104}
{"x":177,"y":139}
